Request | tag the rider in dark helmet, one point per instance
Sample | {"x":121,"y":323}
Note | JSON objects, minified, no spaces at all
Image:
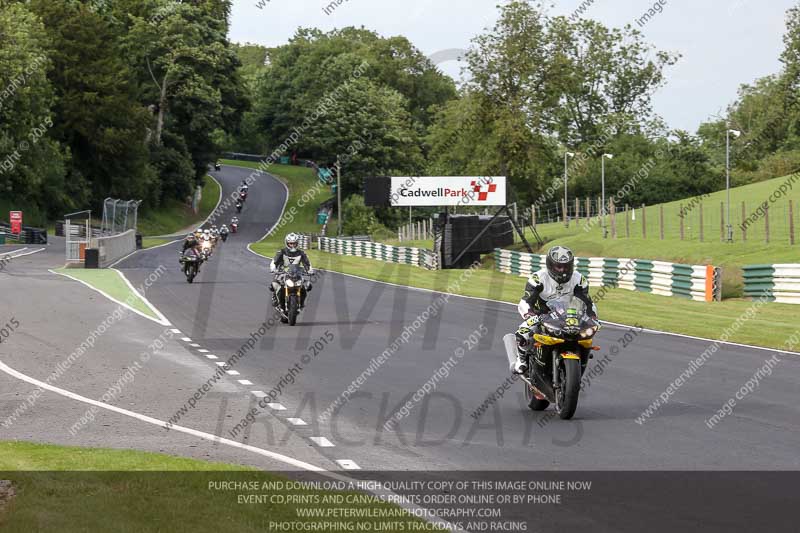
{"x":557,"y":279}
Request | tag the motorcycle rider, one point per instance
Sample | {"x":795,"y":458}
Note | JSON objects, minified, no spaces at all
{"x":190,"y":243}
{"x":290,"y":255}
{"x":235,"y":224}
{"x":223,"y":232}
{"x":559,"y":278}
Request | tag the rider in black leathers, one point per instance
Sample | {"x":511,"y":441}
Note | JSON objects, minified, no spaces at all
{"x":290,"y":255}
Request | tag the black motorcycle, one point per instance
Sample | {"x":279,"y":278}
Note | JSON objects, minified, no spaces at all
{"x":224,"y":236}
{"x":239,"y":206}
{"x":217,"y":166}
{"x":191,"y":265}
{"x":292,"y":293}
{"x":558,"y":356}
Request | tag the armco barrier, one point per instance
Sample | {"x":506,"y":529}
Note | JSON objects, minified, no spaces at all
{"x":114,"y":247}
{"x":779,"y":283}
{"x":702,"y":283}
{"x":403,"y":255}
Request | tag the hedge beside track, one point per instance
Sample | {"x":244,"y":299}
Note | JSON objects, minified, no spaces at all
{"x":403,"y":255}
{"x":779,"y":283}
{"x":701,"y":283}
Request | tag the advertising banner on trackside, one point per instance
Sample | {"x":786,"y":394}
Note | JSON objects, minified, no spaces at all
{"x":448,"y":191}
{"x":15,"y":217}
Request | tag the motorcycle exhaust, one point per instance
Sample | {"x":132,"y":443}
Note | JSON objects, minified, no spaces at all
{"x":510,"y":342}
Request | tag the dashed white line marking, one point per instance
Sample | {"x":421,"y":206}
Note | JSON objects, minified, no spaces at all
{"x":194,"y":345}
{"x":322,"y":442}
{"x":259,"y":394}
{"x":220,"y":363}
{"x":211,"y":356}
{"x":297,"y":421}
{"x":245,"y":382}
{"x":203,"y":351}
{"x":176,"y":331}
{"x":276,"y":406}
{"x":186,"y":339}
{"x":232,"y":372}
{"x":347,"y":464}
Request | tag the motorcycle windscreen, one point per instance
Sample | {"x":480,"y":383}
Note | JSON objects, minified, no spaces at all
{"x":510,"y":342}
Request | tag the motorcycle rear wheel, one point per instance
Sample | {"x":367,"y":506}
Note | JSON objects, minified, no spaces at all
{"x":534,"y":403}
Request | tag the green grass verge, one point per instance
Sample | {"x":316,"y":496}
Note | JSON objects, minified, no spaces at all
{"x":663,"y":313}
{"x":70,"y":489}
{"x":150,"y":242}
{"x":176,"y":216}
{"x":112,"y":283}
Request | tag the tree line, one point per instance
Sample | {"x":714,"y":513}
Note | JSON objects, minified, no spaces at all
{"x":112,"y":98}
{"x":537,"y":86}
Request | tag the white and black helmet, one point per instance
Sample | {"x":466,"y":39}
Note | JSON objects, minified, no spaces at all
{"x":292,"y":241}
{"x":560,"y":264}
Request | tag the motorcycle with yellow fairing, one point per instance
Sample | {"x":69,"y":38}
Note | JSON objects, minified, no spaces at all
{"x":557,"y":355}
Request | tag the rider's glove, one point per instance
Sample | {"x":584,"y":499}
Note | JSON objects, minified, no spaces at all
{"x":310,"y":271}
{"x":272,"y":267}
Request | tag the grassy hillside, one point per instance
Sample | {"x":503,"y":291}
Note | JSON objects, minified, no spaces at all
{"x":585,"y":238}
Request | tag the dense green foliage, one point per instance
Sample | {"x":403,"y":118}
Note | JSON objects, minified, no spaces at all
{"x":113,"y":98}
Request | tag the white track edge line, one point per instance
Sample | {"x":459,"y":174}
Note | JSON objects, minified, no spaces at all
{"x":162,"y":319}
{"x":126,"y":306}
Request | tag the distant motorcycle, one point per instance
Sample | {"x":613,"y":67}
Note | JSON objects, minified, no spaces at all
{"x":234,"y":227}
{"x":206,"y":249}
{"x":217,"y":166}
{"x":224,"y":236}
{"x":558,"y":359}
{"x":239,"y":206}
{"x":191,"y":265}
{"x":293,"y":288}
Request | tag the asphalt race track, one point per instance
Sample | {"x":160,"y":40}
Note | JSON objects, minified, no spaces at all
{"x":441,"y":435}
{"x":441,"y":432}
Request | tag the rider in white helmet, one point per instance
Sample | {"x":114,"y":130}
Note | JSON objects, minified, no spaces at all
{"x":290,"y":255}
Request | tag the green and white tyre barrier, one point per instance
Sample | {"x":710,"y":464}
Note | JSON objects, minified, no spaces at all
{"x":701,"y":283}
{"x":778,"y":283}
{"x":403,"y":255}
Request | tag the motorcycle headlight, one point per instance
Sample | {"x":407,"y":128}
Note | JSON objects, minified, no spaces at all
{"x":589,"y":332}
{"x":289,"y":283}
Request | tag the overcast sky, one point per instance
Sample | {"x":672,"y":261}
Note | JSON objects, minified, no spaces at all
{"x":724,"y":42}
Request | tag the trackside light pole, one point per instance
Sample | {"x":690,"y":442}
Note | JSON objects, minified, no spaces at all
{"x":566,"y":205}
{"x":736,"y":133}
{"x":339,"y":194}
{"x":603,"y":193}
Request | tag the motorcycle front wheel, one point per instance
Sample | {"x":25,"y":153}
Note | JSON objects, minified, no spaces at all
{"x":191,"y":272}
{"x":293,"y":309}
{"x":567,"y":395}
